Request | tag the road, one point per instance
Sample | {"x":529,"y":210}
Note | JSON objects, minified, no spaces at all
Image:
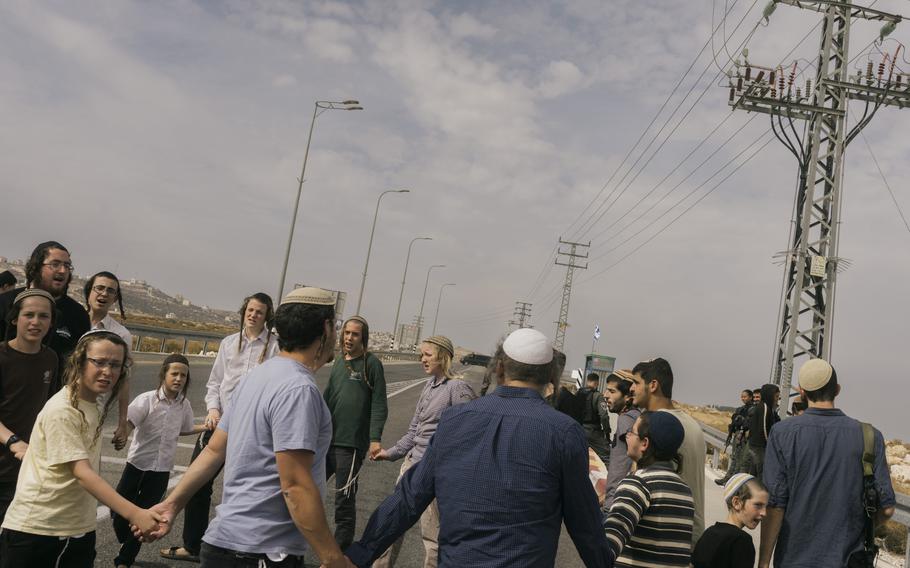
{"x":376,"y":479}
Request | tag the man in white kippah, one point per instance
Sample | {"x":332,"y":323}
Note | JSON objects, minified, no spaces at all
{"x":272,"y":440}
{"x":814,"y":471}
{"x":506,"y":470}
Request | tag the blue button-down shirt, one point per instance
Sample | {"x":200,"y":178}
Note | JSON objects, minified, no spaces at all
{"x":813,"y":469}
{"x":506,"y":471}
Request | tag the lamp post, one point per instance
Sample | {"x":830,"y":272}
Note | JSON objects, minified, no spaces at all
{"x":366,"y":264}
{"x":424,"y":299}
{"x":438,"y":302}
{"x":324,"y":106}
{"x":404,"y":277}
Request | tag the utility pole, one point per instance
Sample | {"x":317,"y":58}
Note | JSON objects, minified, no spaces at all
{"x":571,"y":266}
{"x":805,"y":322}
{"x":522,"y":314}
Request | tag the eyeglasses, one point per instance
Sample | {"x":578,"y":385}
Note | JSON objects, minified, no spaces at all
{"x":58,"y":264}
{"x":100,"y":289}
{"x":106,"y":364}
{"x":633,"y":433}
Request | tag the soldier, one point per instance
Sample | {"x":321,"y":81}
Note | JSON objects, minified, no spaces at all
{"x":736,"y":435}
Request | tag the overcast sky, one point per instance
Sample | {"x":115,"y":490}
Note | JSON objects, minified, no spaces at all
{"x":162,"y":140}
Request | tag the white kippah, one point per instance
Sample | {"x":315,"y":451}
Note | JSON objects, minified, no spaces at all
{"x":528,"y":346}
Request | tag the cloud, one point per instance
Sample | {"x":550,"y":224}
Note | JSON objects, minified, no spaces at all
{"x":284,"y":80}
{"x":559,"y":78}
{"x":465,"y":26}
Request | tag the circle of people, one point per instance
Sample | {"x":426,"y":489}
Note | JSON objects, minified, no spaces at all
{"x":491,"y":479}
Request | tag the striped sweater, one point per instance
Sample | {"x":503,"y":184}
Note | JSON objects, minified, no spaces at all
{"x":650,"y":521}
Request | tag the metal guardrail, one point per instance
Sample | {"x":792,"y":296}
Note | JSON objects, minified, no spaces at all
{"x":714,"y":438}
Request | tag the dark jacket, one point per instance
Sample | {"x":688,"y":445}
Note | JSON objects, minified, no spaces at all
{"x":762,"y":417}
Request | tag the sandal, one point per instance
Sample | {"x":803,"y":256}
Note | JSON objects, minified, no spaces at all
{"x":172,"y":554}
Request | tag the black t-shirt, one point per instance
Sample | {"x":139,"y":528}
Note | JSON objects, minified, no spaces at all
{"x":72,"y":323}
{"x":25,"y":384}
{"x":724,"y":546}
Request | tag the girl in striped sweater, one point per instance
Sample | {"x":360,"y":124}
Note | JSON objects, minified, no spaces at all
{"x":650,"y":521}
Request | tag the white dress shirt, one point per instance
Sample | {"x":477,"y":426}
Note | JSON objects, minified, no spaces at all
{"x":230,"y":366}
{"x":115,"y":326}
{"x":159,"y":421}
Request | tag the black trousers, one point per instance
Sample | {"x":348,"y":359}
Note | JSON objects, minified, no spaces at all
{"x":217,"y":557}
{"x":344,"y":464}
{"x":144,"y":489}
{"x":22,"y":550}
{"x":196,"y":514}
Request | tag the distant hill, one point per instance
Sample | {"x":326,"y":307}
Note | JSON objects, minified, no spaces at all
{"x":142,"y":299}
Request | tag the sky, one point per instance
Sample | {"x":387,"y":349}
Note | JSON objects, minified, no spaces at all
{"x":163,"y":141}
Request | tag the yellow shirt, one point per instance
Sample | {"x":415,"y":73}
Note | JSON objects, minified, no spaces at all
{"x":49,"y":500}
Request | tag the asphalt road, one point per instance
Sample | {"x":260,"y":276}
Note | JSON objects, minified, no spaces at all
{"x":376,"y":480}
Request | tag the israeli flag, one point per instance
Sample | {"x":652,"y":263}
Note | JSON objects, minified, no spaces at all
{"x":596,"y":331}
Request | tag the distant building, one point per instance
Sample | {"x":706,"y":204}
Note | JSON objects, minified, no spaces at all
{"x":3,"y":259}
{"x":186,"y":302}
{"x":170,"y":316}
{"x":406,"y":336}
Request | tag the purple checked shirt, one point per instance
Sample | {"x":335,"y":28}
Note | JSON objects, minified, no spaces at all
{"x":438,"y":394}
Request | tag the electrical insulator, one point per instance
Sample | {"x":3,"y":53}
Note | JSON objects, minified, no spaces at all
{"x":808,"y":86}
{"x":798,"y":94}
{"x":881,"y":69}
{"x":780,"y":83}
{"x":773,"y":92}
{"x":732,"y":92}
{"x":869,"y":70}
{"x":748,"y":73}
{"x":899,"y":77}
{"x":739,"y":83}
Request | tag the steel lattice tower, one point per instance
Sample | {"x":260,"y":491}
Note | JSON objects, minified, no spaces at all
{"x":570,"y":265}
{"x":811,"y":263}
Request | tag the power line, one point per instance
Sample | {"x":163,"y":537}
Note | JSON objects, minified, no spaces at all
{"x":686,"y":210}
{"x":653,"y":120}
{"x":601,"y":210}
{"x":887,"y":185}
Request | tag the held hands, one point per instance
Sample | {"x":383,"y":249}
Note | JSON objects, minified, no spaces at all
{"x":213,"y":418}
{"x":381,"y":455}
{"x":375,"y":450}
{"x":147,"y":521}
{"x":18,"y":450}
{"x":163,"y":514}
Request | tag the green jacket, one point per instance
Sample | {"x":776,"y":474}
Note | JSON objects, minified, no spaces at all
{"x":359,"y":409}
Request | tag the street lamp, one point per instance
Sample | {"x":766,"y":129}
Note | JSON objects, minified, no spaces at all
{"x":438,"y":302}
{"x":422,"y":301}
{"x":324,"y":106}
{"x":403,"y":278}
{"x":370,"y":246}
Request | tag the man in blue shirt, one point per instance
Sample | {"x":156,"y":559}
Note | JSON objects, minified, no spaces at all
{"x":506,"y":470}
{"x":814,"y":473}
{"x":272,"y":441}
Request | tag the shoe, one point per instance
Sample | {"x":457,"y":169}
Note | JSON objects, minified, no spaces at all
{"x":178,"y":553}
{"x":720,"y":481}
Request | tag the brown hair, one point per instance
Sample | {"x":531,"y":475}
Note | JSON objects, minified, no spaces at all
{"x":262,"y":298}
{"x":75,"y":364}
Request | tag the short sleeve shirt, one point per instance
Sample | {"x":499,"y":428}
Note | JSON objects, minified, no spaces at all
{"x":276,"y":408}
{"x":49,"y":501}
{"x":158,"y":421}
